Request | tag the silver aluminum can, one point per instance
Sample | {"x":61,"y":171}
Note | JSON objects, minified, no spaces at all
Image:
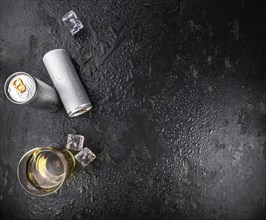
{"x":67,"y":82}
{"x":23,"y":89}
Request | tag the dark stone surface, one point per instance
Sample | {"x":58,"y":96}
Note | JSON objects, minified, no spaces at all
{"x":179,"y":118}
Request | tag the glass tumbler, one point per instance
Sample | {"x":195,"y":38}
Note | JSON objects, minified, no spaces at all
{"x":42,"y":171}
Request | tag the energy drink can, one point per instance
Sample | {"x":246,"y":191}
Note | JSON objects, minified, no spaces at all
{"x":23,"y":89}
{"x":67,"y":82}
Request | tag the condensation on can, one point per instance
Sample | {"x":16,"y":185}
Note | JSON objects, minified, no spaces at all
{"x":67,"y":82}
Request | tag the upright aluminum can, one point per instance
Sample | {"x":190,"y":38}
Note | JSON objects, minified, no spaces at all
{"x":67,"y":82}
{"x":23,"y":89}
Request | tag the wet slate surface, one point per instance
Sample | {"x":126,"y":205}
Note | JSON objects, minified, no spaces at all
{"x":179,"y":118}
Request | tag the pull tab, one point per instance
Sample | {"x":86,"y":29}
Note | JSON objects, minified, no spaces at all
{"x":19,"y":86}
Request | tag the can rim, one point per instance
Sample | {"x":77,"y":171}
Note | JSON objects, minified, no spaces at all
{"x":51,"y":51}
{"x":80,"y":110}
{"x":7,"y":84}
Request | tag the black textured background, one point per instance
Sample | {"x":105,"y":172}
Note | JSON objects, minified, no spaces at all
{"x":179,"y":118}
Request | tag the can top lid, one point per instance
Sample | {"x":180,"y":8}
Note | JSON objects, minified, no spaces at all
{"x":20,"y":87}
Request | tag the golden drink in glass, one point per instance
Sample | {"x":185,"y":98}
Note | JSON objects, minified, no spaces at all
{"x":42,"y":171}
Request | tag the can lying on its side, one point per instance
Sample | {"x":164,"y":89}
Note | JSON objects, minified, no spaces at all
{"x":21,"y":88}
{"x":67,"y":82}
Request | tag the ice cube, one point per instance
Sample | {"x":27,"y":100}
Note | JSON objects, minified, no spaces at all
{"x":75,"y":142}
{"x":71,"y":20}
{"x":85,"y":156}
